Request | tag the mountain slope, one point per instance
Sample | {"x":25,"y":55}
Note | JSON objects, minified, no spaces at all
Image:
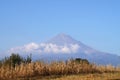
{"x":63,"y":47}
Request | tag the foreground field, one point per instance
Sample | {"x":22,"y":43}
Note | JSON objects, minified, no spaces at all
{"x":104,"y":76}
{"x":95,"y":76}
{"x":17,"y":68}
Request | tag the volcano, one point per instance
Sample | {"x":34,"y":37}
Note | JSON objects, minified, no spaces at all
{"x":64,"y":47}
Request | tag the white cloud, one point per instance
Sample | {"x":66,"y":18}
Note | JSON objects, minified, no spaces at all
{"x":45,"y":48}
{"x":66,"y":49}
{"x":31,"y":47}
{"x":74,"y":47}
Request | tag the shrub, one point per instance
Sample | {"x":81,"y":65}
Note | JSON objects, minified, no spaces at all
{"x":15,"y":59}
{"x":79,"y":60}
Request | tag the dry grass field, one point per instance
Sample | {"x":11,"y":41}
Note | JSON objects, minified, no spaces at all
{"x":94,"y":76}
{"x":79,"y":69}
{"x":104,"y":76}
{"x":59,"y":71}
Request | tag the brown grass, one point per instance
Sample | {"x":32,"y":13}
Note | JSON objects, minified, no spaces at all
{"x":35,"y":69}
{"x":95,"y":76}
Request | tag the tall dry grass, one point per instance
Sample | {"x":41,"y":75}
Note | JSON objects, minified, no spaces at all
{"x":54,"y":68}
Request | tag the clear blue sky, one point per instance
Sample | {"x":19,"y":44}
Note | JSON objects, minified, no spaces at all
{"x":94,"y":22}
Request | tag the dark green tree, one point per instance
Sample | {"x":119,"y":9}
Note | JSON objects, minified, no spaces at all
{"x":15,"y":59}
{"x":29,"y":59}
{"x":79,"y":60}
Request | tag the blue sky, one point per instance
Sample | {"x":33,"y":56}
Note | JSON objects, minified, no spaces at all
{"x":94,"y":22}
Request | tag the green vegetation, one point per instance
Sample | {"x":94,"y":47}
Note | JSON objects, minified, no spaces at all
{"x":16,"y":67}
{"x":14,"y":59}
